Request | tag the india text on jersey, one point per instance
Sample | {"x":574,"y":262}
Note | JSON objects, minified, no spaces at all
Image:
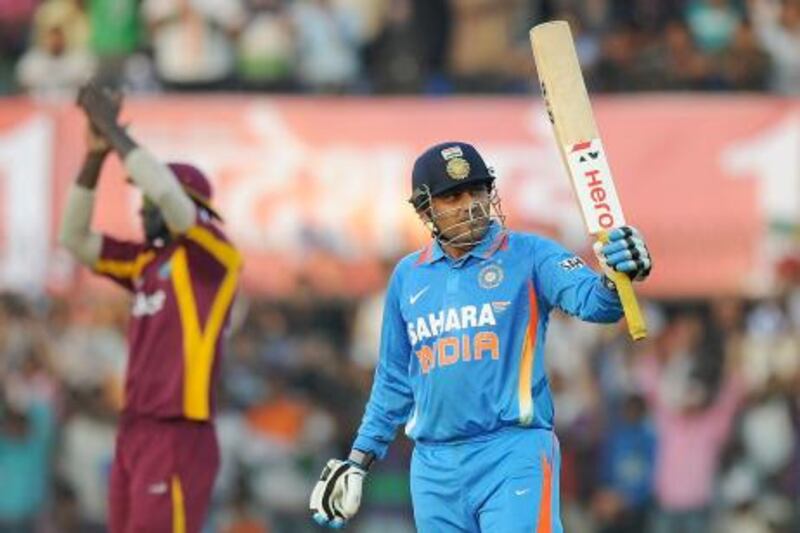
{"x":455,"y":347}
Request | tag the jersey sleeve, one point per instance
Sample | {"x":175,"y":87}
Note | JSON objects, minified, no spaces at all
{"x":391,"y":398}
{"x":121,"y":261}
{"x":566,"y":282}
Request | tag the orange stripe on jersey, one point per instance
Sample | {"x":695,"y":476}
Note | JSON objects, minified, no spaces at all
{"x":178,"y":506}
{"x":425,"y":254}
{"x":524,"y":391}
{"x":199,"y":342}
{"x":545,"y":520}
{"x":221,"y":250}
{"x":124,"y":269}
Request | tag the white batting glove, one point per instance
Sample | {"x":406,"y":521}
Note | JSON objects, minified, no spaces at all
{"x":625,"y":252}
{"x":337,"y":495}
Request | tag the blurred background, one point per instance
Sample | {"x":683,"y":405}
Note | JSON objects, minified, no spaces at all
{"x":307,"y":115}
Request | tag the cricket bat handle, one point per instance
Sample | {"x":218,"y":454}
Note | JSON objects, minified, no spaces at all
{"x":630,"y":305}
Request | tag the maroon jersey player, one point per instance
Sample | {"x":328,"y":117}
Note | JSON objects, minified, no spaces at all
{"x":183,"y":278}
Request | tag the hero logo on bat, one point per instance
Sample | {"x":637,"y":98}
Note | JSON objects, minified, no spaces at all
{"x":594,"y":185}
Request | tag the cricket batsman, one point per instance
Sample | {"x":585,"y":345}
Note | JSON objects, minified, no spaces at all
{"x":462,"y":358}
{"x":182,"y":278}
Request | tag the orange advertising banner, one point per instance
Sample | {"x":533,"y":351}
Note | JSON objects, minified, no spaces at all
{"x":314,"y":190}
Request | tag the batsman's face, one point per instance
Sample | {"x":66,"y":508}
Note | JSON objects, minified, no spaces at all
{"x":462,"y":215}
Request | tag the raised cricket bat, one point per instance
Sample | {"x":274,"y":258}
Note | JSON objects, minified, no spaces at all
{"x":570,"y":112}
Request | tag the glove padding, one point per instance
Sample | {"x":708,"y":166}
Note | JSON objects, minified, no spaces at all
{"x":625,"y":252}
{"x":337,"y":495}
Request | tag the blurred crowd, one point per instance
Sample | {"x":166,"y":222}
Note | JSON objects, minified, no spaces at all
{"x":48,"y":47}
{"x":696,"y":429}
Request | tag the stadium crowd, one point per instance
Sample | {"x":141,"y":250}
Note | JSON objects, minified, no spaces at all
{"x":47,"y":47}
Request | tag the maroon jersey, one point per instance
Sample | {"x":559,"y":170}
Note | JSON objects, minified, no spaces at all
{"x":182,"y":298}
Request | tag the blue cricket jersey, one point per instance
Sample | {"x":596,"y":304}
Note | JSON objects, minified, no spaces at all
{"x":462,"y":341}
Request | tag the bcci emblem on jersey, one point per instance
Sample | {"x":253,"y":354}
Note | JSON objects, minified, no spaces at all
{"x":490,"y":276}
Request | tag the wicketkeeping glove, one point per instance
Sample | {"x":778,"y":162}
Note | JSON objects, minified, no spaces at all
{"x":337,"y":495}
{"x":625,"y":252}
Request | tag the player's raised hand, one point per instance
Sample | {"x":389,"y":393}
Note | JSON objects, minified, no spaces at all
{"x":101,"y":104}
{"x":625,"y":252}
{"x":337,"y":495}
{"x":96,"y":144}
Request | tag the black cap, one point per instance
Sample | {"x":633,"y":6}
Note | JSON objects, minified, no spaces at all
{"x":447,"y":166}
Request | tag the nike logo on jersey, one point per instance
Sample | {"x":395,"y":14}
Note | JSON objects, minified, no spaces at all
{"x":522,"y":492}
{"x":414,"y":297}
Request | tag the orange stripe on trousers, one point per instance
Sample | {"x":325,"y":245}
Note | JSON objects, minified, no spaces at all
{"x":545,"y":520}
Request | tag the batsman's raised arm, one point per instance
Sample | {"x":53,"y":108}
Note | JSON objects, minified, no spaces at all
{"x":155,"y":179}
{"x":568,"y":284}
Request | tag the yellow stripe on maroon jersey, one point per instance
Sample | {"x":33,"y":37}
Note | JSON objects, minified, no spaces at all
{"x":221,"y":250}
{"x":193,"y":355}
{"x":199,"y":342}
{"x":124,"y":269}
{"x":178,"y":506}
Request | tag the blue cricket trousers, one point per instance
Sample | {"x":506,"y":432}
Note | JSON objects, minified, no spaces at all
{"x":505,"y":482}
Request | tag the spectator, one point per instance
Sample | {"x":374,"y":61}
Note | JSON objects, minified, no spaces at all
{"x":745,"y":66}
{"x":622,"y":504}
{"x":740,"y":493}
{"x":88,"y":345}
{"x":15,"y":21}
{"x":615,"y":69}
{"x":395,"y":56}
{"x":67,"y":13}
{"x":266,"y":47}
{"x":482,"y":55}
{"x":193,"y":41}
{"x":713,"y":23}
{"x":26,"y":435}
{"x":15,"y":18}
{"x":115,"y":34}
{"x":328,"y":43}
{"x":58,"y":62}
{"x":651,"y":16}
{"x":673,"y":62}
{"x":692,"y":426}
{"x":434,"y":20}
{"x":777,"y":25}
{"x":86,"y":454}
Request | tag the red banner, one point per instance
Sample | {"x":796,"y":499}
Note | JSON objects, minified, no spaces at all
{"x":314,"y":190}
